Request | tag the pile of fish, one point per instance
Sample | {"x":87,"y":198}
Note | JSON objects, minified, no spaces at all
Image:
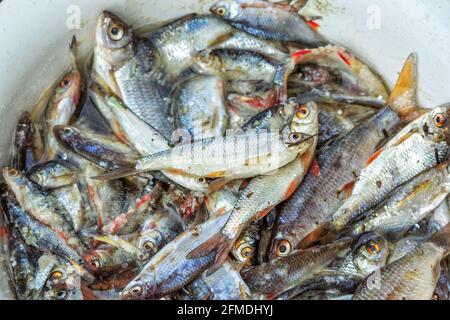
{"x":230,"y":155}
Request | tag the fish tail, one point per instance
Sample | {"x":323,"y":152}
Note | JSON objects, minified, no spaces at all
{"x":218,"y":243}
{"x":320,"y":234}
{"x":442,"y":239}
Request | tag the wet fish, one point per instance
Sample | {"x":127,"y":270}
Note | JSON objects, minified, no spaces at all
{"x":277,"y":276}
{"x":64,"y":283}
{"x":413,"y":277}
{"x":41,"y":205}
{"x":28,"y":145}
{"x":105,"y":152}
{"x":245,"y":247}
{"x":259,"y":149}
{"x":409,"y":204}
{"x":198,"y":106}
{"x":70,"y":199}
{"x":418,"y":147}
{"x":131,"y":68}
{"x":369,"y":254}
{"x":170,"y":269}
{"x":7,"y":291}
{"x":268,"y":21}
{"x":53,"y":174}
{"x":107,"y":259}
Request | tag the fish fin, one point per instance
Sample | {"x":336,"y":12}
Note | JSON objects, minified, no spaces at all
{"x":315,"y":169}
{"x":125,"y":171}
{"x":374,"y":156}
{"x":346,"y":189}
{"x":403,"y":98}
{"x":403,"y":139}
{"x":317,"y":235}
{"x":218,"y":184}
{"x":442,"y":239}
{"x":218,"y":243}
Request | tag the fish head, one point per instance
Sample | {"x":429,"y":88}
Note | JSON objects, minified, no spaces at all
{"x":207,"y":62}
{"x":68,"y":89}
{"x":435,"y":124}
{"x":113,"y":38}
{"x":370,"y":253}
{"x":67,"y":135}
{"x":148,"y":243}
{"x":303,"y":127}
{"x":25,"y":130}
{"x":97,"y":260}
{"x":226,"y":9}
{"x":139,"y":288}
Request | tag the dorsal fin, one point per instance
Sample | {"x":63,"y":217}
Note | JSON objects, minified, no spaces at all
{"x":403,"y":98}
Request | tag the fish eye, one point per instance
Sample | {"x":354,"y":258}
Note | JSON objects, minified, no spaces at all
{"x":283,"y":248}
{"x":13,"y":172}
{"x":201,"y":180}
{"x":303,"y":112}
{"x":65,"y":82}
{"x":295,"y":137}
{"x":247,"y":252}
{"x":148,"y":245}
{"x":439,"y":120}
{"x":61,"y":295}
{"x":373,"y":248}
{"x":116,"y":32}
{"x":136,"y":290}
{"x":221,"y":11}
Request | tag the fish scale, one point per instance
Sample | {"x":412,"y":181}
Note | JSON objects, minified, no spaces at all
{"x":141,"y":83}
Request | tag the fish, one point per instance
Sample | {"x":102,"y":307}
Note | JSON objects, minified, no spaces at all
{"x":22,"y":266}
{"x":408,"y":204}
{"x":439,"y":218}
{"x":70,"y":199}
{"x":170,"y":270}
{"x":142,"y":137}
{"x":44,"y":266}
{"x":227,"y":284}
{"x":302,"y":217}
{"x":37,"y":234}
{"x":105,"y":152}
{"x":260,"y":196}
{"x":198,"y":106}
{"x":268,"y":21}
{"x":277,"y":276}
{"x":413,"y":277}
{"x":64,"y":283}
{"x":130,"y":68}
{"x":62,"y":106}
{"x":206,"y":159}
{"x":53,"y":174}
{"x":368,"y":254}
{"x":107,"y":259}
{"x":40,"y":205}
{"x":419,"y":146}
{"x":28,"y":145}
{"x":323,"y":282}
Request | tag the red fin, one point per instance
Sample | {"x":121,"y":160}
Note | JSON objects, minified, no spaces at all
{"x":346,"y":189}
{"x":315,"y":169}
{"x":374,"y":156}
{"x":344,"y":58}
{"x":314,"y":25}
{"x":218,"y":243}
